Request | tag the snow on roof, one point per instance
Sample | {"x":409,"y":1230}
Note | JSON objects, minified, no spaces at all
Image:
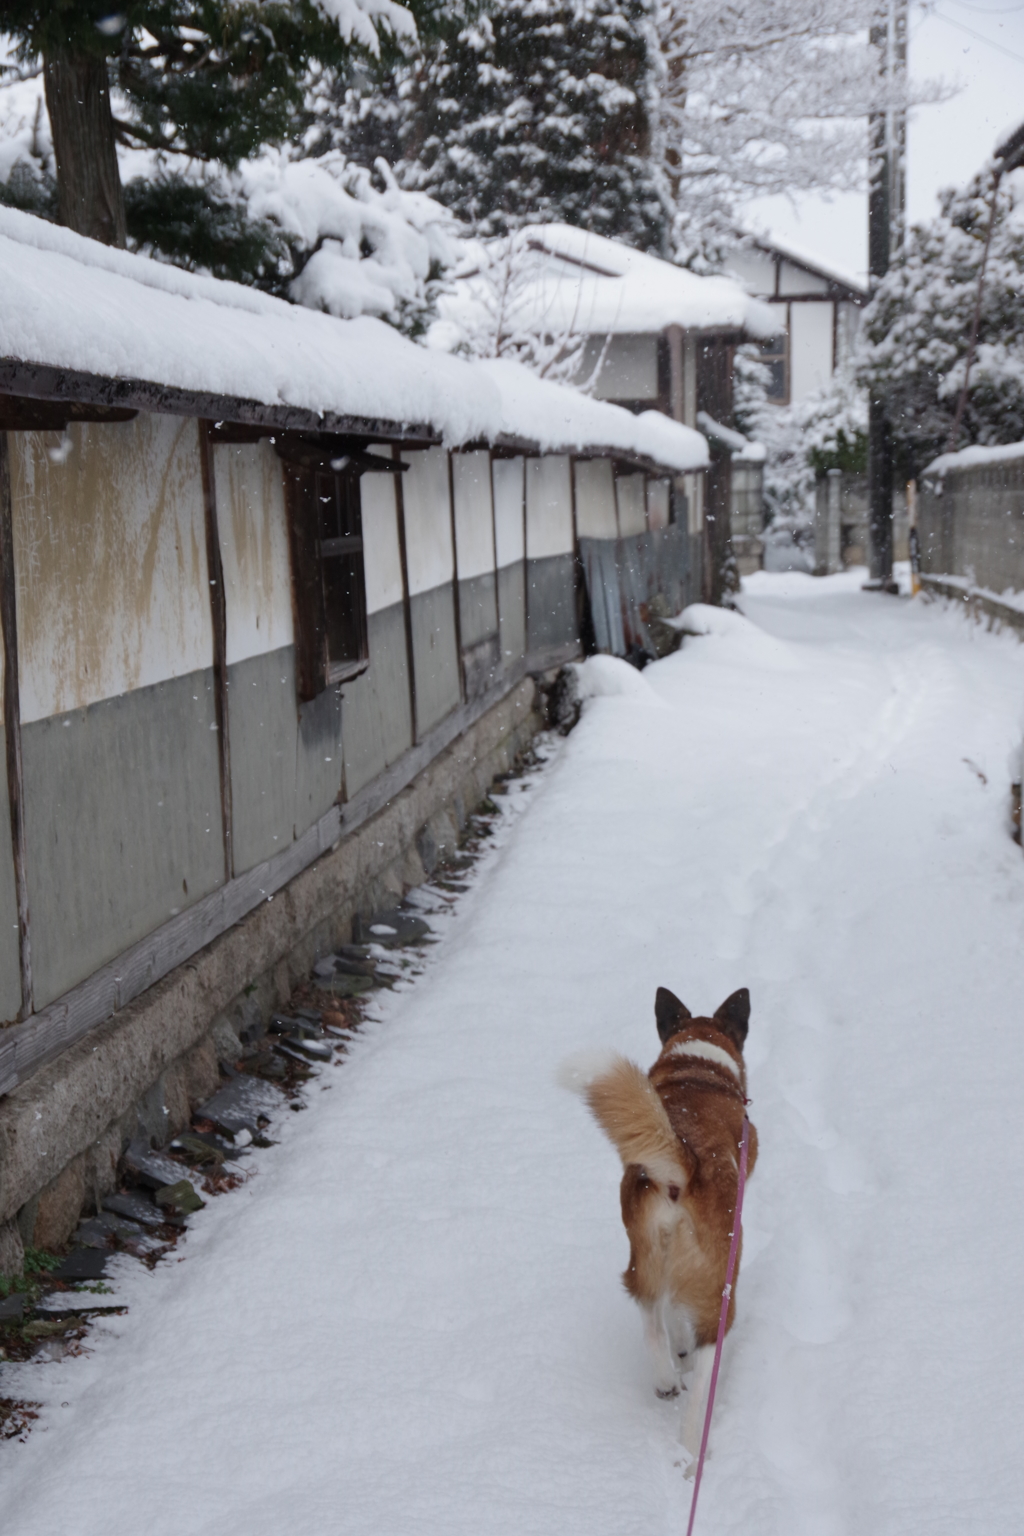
{"x":71,"y":303}
{"x":577,"y":283}
{"x":556,"y":417}
{"x":802,"y":257}
{"x":971,"y":458}
{"x":743,"y":450}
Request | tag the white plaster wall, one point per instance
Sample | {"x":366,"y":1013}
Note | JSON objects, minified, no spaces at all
{"x":251,"y":521}
{"x":847,"y":328}
{"x":810,"y":347}
{"x":596,"y":517}
{"x":694,"y":487}
{"x":629,"y":493}
{"x":110,"y":560}
{"x":474,"y":517}
{"x":658,"y":505}
{"x":548,"y":507}
{"x":507,"y":476}
{"x":755,"y":269}
{"x":793,"y":279}
{"x":382,"y":555}
{"x":428,"y":521}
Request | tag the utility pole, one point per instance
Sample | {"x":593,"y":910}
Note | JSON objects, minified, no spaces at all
{"x":887,"y":137}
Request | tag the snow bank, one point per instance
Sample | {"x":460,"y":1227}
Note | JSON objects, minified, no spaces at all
{"x":796,"y":584}
{"x":742,"y":450}
{"x":972,"y":458}
{"x":603,"y":677}
{"x":743,"y":638}
{"x":72,"y":303}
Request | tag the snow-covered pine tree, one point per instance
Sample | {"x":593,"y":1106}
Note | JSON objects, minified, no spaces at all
{"x":917,"y":327}
{"x":540,"y":111}
{"x":182,"y":84}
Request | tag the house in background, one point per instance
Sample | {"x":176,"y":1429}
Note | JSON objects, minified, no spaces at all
{"x":817,"y":310}
{"x":656,"y":338}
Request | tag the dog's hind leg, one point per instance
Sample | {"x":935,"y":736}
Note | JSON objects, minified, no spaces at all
{"x":696,"y":1398}
{"x":659,"y":1345}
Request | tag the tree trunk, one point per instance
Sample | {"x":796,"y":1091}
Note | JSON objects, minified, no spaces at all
{"x":89,"y":196}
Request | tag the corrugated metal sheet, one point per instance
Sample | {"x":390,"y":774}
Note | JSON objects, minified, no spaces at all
{"x":626,"y":578}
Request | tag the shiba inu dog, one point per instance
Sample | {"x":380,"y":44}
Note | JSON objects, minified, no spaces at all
{"x":677,"y":1130}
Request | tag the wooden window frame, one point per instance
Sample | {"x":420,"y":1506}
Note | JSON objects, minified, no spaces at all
{"x":305,"y":463}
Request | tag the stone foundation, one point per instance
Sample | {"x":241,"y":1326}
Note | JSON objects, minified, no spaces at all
{"x":64,"y":1131}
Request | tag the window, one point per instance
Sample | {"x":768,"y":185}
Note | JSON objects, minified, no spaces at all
{"x":776,"y":354}
{"x":329,"y":593}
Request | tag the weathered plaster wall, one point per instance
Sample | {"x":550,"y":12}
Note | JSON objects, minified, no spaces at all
{"x":596,"y":514}
{"x":631,"y":499}
{"x":249,"y":487}
{"x":122,"y":823}
{"x":110,"y":557}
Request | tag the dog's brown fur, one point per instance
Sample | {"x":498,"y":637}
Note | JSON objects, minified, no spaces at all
{"x":677,"y":1130}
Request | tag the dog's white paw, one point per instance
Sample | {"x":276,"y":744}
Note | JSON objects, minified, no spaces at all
{"x":582,"y":1068}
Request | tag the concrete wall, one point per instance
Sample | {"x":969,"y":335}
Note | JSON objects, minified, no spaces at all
{"x":971,"y":525}
{"x":842,"y":514}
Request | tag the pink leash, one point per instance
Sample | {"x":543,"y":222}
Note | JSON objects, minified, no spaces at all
{"x":727,"y":1292}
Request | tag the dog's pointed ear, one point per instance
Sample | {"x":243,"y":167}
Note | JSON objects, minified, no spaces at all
{"x":669,"y":1013}
{"x":734,"y":1016}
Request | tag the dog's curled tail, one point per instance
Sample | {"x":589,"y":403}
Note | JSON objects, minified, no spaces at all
{"x":626,"y":1106}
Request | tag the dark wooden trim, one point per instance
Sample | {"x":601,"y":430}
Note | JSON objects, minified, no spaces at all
{"x":12,"y":725}
{"x":403,"y":556}
{"x":40,"y":381}
{"x":494,"y":546}
{"x":219,"y":616}
{"x":26,"y":1047}
{"x":455,"y":578}
{"x":19,"y":413}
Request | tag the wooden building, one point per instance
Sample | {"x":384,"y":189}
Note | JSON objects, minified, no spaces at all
{"x":657,"y":338}
{"x":273,"y":589}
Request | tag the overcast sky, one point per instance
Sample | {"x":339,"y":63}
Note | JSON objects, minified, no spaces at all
{"x":976,"y":44}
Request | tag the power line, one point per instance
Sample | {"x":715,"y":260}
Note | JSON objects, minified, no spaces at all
{"x":961,"y":27}
{"x":987,"y":10}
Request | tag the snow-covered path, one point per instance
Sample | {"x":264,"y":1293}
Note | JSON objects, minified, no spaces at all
{"x":410,"y":1323}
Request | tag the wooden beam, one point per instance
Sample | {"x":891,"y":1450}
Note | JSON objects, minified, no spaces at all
{"x":460,"y":661}
{"x":219,"y":616}
{"x":12,"y":725}
{"x":19,"y":413}
{"x":403,"y":557}
{"x":39,"y":381}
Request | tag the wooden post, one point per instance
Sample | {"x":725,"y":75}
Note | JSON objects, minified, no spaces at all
{"x":455,"y":578}
{"x":410,"y":650}
{"x":219,"y":615}
{"x":12,"y":727}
